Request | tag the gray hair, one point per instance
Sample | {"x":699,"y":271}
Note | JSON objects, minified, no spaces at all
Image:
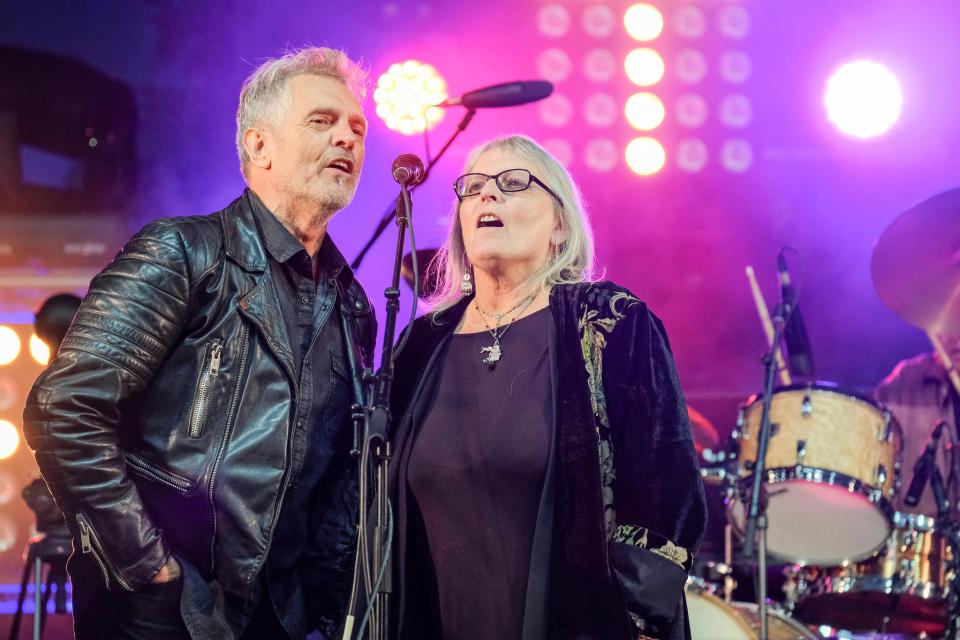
{"x":571,"y":263}
{"x":264,"y":96}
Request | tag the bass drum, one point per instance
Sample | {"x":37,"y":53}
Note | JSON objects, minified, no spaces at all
{"x":713,"y":619}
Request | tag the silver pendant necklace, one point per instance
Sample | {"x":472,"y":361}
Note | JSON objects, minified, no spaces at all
{"x":493,"y":353}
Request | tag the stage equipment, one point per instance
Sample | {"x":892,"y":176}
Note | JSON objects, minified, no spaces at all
{"x":711,"y":617}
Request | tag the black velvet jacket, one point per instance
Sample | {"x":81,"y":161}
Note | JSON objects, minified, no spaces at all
{"x":628,"y":509}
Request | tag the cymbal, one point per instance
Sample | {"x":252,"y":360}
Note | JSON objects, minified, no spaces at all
{"x":428,"y":279}
{"x":916,"y":264}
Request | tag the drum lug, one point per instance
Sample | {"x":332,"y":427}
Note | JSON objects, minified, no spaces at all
{"x":881,"y":475}
{"x":884,"y":431}
{"x":806,"y":408}
{"x":801,"y":451}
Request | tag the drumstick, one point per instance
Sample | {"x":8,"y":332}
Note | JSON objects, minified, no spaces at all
{"x":945,"y":358}
{"x":767,"y":324}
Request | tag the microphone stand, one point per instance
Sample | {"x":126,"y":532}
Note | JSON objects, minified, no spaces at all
{"x":757,"y":511}
{"x":391,"y":210}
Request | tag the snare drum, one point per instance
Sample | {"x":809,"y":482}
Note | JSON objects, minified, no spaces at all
{"x":903,"y":589}
{"x":833,"y":468}
{"x":713,"y":619}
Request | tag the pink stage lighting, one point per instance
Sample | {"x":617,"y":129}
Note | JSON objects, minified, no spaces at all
{"x":863,"y":99}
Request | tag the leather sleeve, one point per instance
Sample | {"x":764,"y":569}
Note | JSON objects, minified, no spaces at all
{"x":128,"y":322}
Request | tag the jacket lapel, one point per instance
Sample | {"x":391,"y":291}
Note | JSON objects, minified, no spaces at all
{"x":261,"y":306}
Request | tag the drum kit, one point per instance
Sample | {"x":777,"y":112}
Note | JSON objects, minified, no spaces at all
{"x":832,"y":475}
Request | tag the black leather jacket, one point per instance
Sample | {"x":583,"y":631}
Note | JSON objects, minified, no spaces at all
{"x":162,"y":424}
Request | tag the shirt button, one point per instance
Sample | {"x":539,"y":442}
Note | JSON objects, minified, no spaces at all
{"x":304,"y":299}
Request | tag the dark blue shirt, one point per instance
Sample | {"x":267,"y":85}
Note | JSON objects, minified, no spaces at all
{"x":320,"y":435}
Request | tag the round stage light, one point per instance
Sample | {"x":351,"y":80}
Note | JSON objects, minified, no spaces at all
{"x":690,"y":21}
{"x":645,"y":156}
{"x":560,"y":149}
{"x":863,"y":99}
{"x":39,"y":350}
{"x":643,"y":22}
{"x":9,"y":439}
{"x":598,"y":20}
{"x":9,"y":345}
{"x":601,"y":154}
{"x":405,"y":94}
{"x":736,"y":155}
{"x":644,"y":111}
{"x":556,"y":110}
{"x":736,"y":111}
{"x":644,"y":67}
{"x":691,"y":66}
{"x":554,"y":65}
{"x":692,"y":110}
{"x":600,"y":110}
{"x":599,"y":65}
{"x":692,"y":155}
{"x":735,"y":67}
{"x":734,"y":21}
{"x":553,"y":20}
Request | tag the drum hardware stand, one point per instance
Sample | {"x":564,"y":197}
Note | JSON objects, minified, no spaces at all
{"x":757,"y":512}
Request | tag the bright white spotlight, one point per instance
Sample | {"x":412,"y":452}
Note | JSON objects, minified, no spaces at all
{"x":404,"y":95}
{"x":645,"y":156}
{"x":644,"y":67}
{"x":39,"y":350}
{"x":9,"y":439}
{"x":9,"y":345}
{"x":644,"y":111}
{"x":643,"y":22}
{"x":863,"y":99}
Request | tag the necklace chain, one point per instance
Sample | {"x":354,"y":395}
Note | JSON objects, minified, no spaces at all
{"x":493,"y":353}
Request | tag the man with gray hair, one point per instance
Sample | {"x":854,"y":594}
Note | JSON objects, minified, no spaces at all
{"x":195,"y":424}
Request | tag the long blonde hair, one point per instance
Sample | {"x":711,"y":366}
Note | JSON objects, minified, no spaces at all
{"x":572,"y":262}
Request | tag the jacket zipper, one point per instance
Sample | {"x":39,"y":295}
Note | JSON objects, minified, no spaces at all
{"x":180,"y":484}
{"x":244,"y":333}
{"x":203,"y":389}
{"x":90,"y":543}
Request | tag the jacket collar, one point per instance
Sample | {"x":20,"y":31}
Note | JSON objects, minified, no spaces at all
{"x":241,"y":238}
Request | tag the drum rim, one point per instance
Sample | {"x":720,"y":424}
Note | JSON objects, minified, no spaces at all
{"x":869,"y":584}
{"x":788,"y":474}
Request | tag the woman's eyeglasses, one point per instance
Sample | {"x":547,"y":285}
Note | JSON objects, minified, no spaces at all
{"x":509,"y":181}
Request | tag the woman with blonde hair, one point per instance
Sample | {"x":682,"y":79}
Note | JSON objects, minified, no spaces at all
{"x":545,"y":481}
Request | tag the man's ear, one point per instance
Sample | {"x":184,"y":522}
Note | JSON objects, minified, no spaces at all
{"x":258,"y":145}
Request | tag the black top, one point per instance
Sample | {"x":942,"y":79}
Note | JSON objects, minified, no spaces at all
{"x":319,"y":434}
{"x":477,"y":470}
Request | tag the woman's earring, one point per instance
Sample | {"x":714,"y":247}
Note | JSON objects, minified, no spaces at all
{"x":466,"y":286}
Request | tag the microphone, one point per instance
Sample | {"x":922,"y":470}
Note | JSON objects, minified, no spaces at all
{"x":925,"y":465}
{"x":407,"y":170}
{"x":508,"y":94}
{"x":799,"y":353}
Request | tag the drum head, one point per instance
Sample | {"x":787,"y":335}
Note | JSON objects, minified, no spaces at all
{"x":819,"y":524}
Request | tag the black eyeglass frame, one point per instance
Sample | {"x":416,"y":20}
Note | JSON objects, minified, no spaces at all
{"x":496,"y":179}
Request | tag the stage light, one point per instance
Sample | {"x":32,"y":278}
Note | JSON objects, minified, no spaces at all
{"x":9,"y":439}
{"x":8,"y":487}
{"x":690,"y":22}
{"x":554,"y":65}
{"x":556,"y":110}
{"x":734,"y":21}
{"x":9,"y":345}
{"x":644,"y":67}
{"x":692,"y":155}
{"x":553,"y":20}
{"x":735,"y":67}
{"x":736,"y":111}
{"x":692,"y":110}
{"x":736,"y":155}
{"x":404,"y":95}
{"x":863,"y":99}
{"x":39,"y":350}
{"x":644,"y":111}
{"x":8,"y":533}
{"x":561,"y":149}
{"x":643,"y":22}
{"x":598,"y":20}
{"x":601,"y":154}
{"x":8,"y":392}
{"x":645,"y":156}
{"x":691,"y":66}
{"x":599,"y":65}
{"x":600,"y":110}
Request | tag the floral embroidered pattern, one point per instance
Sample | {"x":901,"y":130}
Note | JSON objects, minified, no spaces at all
{"x":645,"y":539}
{"x":603,"y":308}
